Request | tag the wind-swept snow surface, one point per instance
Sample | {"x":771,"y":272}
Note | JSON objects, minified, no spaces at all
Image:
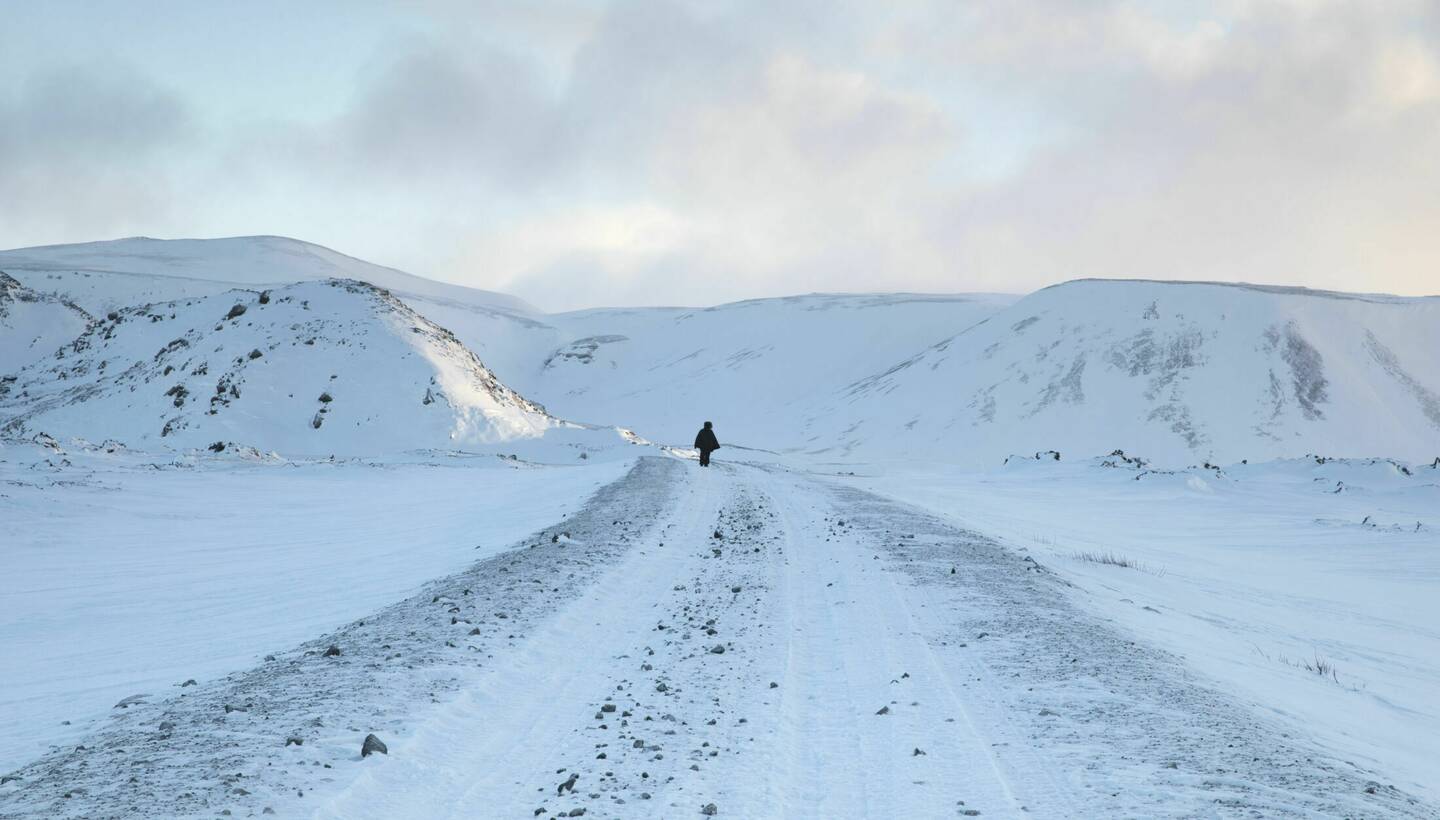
{"x":334,"y":367}
{"x":124,"y":574}
{"x":1306,"y":587}
{"x":734,"y":642}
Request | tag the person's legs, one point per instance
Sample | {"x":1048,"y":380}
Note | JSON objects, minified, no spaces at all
{"x":704,"y":458}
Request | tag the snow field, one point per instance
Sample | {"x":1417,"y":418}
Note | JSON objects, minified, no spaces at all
{"x":122,"y":579}
{"x":877,"y":661}
{"x":1248,"y":574}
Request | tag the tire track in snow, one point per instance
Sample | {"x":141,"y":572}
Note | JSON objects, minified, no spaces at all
{"x":287,"y":732}
{"x":1080,"y":713}
{"x":854,"y":650}
{"x":483,"y":754}
{"x":592,"y":655}
{"x":620,"y":689}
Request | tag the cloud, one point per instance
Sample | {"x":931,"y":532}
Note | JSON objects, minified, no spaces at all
{"x":438,"y":112}
{"x":1277,"y":158}
{"x":88,"y":147}
{"x":1271,"y":142}
{"x":685,"y":152}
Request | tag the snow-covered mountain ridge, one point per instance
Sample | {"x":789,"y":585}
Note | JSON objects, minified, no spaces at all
{"x":103,"y":276}
{"x":328,"y":367}
{"x":754,"y":367}
{"x":1179,"y":372}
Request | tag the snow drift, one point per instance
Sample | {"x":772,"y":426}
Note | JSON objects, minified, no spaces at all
{"x":333,"y":367}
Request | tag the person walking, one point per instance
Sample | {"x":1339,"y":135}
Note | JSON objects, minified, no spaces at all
{"x":706,"y":443}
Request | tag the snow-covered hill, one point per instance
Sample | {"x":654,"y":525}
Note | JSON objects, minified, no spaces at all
{"x":33,"y":325}
{"x":103,"y":276}
{"x":507,"y":333}
{"x":897,"y":636}
{"x":333,"y":367}
{"x":1179,"y":372}
{"x":754,"y":367}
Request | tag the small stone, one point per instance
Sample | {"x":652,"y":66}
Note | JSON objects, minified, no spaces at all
{"x":255,"y":354}
{"x":238,"y":310}
{"x":735,"y":589}
{"x":189,"y":682}
{"x":717,"y":649}
{"x":568,"y":785}
{"x":371,"y":745}
{"x":608,"y":707}
{"x":294,"y":741}
{"x":576,"y":812}
{"x":884,"y":710}
{"x":167,"y":726}
{"x":918,"y":751}
{"x":710,"y":810}
{"x":774,"y":685}
{"x":333,"y":651}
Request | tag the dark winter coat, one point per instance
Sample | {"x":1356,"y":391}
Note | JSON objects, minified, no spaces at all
{"x":705,"y":440}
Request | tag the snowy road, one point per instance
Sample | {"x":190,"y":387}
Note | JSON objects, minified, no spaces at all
{"x":743,"y":642}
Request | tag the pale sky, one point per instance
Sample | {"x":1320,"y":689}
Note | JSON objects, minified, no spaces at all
{"x":586,"y":153}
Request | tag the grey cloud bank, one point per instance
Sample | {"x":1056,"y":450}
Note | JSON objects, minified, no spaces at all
{"x":645,"y":152}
